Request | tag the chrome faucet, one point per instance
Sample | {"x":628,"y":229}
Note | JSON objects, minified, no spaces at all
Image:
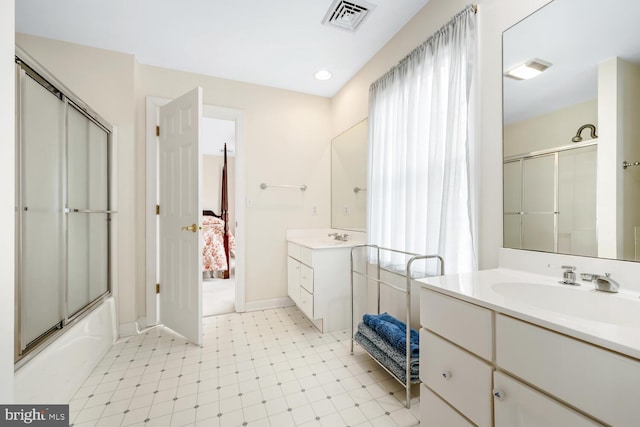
{"x":603,"y":283}
{"x":569,"y":276}
{"x":338,"y":236}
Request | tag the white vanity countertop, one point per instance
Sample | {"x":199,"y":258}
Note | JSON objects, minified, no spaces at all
{"x":315,"y":238}
{"x":608,"y":320}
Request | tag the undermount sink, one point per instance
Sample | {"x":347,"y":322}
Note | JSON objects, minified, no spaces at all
{"x":581,"y":303}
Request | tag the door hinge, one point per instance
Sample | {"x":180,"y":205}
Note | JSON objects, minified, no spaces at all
{"x":157,"y":130}
{"x":157,"y":288}
{"x":157,"y":209}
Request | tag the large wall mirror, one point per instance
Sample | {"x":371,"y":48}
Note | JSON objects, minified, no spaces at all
{"x":572,"y":133}
{"x":349,"y":178}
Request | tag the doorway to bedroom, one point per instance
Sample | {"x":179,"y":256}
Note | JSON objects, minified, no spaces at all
{"x":235,"y":285}
{"x":218,"y":258}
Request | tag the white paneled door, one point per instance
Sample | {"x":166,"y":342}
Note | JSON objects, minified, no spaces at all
{"x":179,"y":190}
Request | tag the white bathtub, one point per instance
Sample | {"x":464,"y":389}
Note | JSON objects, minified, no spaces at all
{"x":56,"y":373}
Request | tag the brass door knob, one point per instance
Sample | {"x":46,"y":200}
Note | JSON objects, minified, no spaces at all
{"x":192,"y":227}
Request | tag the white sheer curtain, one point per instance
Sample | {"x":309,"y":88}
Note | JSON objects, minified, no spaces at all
{"x":421,"y":161}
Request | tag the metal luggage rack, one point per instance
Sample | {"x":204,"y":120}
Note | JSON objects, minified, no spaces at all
{"x":407,"y":272}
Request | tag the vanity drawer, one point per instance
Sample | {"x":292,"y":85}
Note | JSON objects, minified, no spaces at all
{"x":306,"y":278}
{"x":306,"y":255}
{"x":457,"y":376}
{"x":600,"y":382}
{"x":306,"y":303}
{"x":435,"y":412}
{"x":451,"y":318}
{"x":293,"y":279}
{"x":293,"y":250}
{"x":519,"y":406}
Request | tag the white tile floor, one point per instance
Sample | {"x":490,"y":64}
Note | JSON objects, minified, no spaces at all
{"x":264,"y":368}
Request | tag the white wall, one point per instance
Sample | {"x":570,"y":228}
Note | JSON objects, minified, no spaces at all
{"x":286,"y":141}
{"x":7,"y":198}
{"x":550,"y":130}
{"x":349,"y":106}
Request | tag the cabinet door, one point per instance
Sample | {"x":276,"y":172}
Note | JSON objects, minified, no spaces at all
{"x":306,"y":303}
{"x":293,"y":279}
{"x":597,"y":381}
{"x":306,"y":277}
{"x":435,"y":412}
{"x":516,"y":405}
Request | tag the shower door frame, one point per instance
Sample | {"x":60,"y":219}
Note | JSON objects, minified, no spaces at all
{"x":535,"y":154}
{"x":27,"y":67}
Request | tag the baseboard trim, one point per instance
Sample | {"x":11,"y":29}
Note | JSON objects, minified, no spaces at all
{"x":141,"y":323}
{"x":266,"y":304}
{"x":128,"y":329}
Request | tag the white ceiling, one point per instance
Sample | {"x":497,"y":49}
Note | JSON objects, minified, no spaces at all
{"x":278,"y":43}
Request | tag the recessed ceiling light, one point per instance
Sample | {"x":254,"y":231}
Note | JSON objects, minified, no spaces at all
{"x":528,"y":70}
{"x":323,"y":75}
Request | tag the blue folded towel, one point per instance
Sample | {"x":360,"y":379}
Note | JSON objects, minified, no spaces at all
{"x":395,"y":354}
{"x":394,"y":331}
{"x":384,"y":359}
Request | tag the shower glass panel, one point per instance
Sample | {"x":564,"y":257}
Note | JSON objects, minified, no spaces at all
{"x":577,"y":201}
{"x":513,"y":204}
{"x":87,"y":200}
{"x":62,"y":209}
{"x":538,"y":232}
{"x":539,"y":203}
{"x":42,"y":239}
{"x":550,"y":201}
{"x":538,"y":185}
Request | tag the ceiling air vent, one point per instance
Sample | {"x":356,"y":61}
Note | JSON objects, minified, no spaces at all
{"x":347,"y":15}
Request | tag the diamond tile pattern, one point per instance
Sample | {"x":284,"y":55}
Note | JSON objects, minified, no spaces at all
{"x":262,"y":368}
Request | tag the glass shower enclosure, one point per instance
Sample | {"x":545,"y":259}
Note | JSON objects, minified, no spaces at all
{"x":62,"y":207}
{"x":550,"y":201}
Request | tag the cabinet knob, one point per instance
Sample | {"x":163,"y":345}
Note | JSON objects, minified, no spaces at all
{"x":498,"y":394}
{"x":446,"y":375}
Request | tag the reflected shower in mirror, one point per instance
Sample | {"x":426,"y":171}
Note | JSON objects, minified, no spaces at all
{"x":349,"y":178}
{"x":570,"y":124}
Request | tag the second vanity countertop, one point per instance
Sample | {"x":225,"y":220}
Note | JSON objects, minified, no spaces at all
{"x":319,"y":238}
{"x":608,"y":320}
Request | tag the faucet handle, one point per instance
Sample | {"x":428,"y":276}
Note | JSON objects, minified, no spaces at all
{"x":569,"y":276}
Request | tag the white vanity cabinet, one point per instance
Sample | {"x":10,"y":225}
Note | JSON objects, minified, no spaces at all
{"x":456,"y":348}
{"x":482,"y":367}
{"x":319,"y":283}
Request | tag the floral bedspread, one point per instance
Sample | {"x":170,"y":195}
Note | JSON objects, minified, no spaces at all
{"x":213,"y":256}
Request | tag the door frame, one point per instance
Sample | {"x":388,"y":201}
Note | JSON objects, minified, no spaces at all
{"x":151,"y":228}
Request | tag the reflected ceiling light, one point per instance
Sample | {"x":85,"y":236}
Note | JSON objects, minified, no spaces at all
{"x":323,"y":75}
{"x":528,"y":70}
